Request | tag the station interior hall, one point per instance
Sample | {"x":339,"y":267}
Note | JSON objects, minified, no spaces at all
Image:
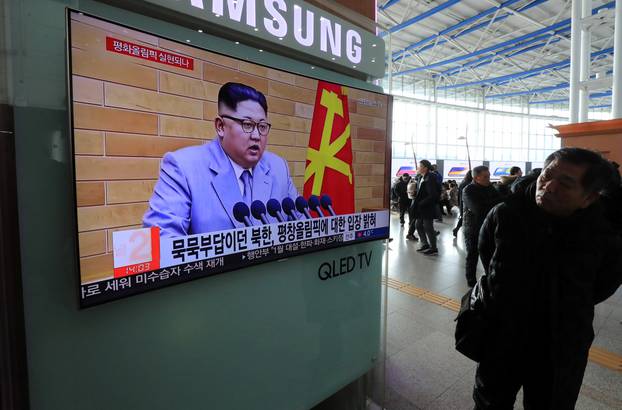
{"x":110,"y":111}
{"x":485,"y":82}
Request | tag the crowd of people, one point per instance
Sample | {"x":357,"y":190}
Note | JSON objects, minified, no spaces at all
{"x":551,"y":247}
{"x":424,"y":197}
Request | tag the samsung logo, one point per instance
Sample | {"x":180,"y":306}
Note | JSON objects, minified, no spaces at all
{"x":274,"y":18}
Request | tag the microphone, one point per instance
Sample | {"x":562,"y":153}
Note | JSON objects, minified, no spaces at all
{"x":274,"y":209}
{"x":303,"y":207}
{"x":258,"y":209}
{"x":242,"y":213}
{"x":314,"y":204}
{"x":327,"y":204}
{"x":288,"y":208}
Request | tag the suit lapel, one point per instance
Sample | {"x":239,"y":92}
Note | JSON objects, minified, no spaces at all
{"x":262,"y":183}
{"x":224,"y":182}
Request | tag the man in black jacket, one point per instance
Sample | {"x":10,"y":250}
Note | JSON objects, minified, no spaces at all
{"x":401,"y":189}
{"x":468,"y":178}
{"x":425,"y":206}
{"x":477,"y":199}
{"x":550,"y":256}
{"x":504,"y":186}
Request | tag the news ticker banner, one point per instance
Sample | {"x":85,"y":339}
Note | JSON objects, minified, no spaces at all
{"x":144,"y":261}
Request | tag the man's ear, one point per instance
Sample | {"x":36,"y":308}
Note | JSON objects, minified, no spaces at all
{"x":219,"y":125}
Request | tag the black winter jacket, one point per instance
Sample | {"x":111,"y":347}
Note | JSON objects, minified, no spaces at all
{"x":425,"y":203}
{"x":545,"y":274}
{"x":401,"y":189}
{"x":461,"y":187}
{"x":504,"y":186}
{"x":477,"y":200}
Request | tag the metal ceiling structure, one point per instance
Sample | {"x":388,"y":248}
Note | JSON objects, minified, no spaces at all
{"x":517,"y":48}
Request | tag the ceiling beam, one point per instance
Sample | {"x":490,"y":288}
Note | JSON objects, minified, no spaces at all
{"x":524,"y":74}
{"x":466,"y":22}
{"x":559,"y":86}
{"x":563,"y":100}
{"x":486,"y":50}
{"x":482,"y":61}
{"x":388,"y":4}
{"x":551,"y":30}
{"x":420,"y":17}
{"x":529,"y":92}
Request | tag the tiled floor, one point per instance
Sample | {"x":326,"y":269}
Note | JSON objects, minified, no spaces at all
{"x":423,"y":371}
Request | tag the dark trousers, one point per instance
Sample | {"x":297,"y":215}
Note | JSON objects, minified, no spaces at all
{"x":459,"y":224}
{"x":446,"y":205}
{"x":403,"y":209}
{"x":425,"y":228}
{"x":498,"y":380}
{"x":472,"y":255}
{"x":411,"y":221}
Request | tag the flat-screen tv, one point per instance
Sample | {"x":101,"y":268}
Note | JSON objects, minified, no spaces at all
{"x":501,"y":169}
{"x":190,"y":163}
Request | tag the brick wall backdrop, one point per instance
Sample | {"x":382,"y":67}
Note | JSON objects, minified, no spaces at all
{"x":128,"y":112}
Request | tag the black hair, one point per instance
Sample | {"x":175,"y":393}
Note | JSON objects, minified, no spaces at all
{"x":426,"y":164}
{"x":514,"y":170}
{"x":598,"y":171}
{"x":478,"y":170}
{"x":231,"y":94}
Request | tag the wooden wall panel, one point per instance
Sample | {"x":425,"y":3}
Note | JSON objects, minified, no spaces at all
{"x":88,"y":142}
{"x":91,"y":117}
{"x":90,"y":193}
{"x":135,"y":145}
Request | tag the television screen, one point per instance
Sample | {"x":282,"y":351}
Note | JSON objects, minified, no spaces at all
{"x":500,"y":169}
{"x":190,"y":163}
{"x":406,"y":169}
{"x":457,"y":170}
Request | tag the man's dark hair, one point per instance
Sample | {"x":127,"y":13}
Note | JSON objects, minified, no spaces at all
{"x":598,"y":171}
{"x":231,"y":94}
{"x":426,"y":164}
{"x":479,"y":170}
{"x":514,"y":170}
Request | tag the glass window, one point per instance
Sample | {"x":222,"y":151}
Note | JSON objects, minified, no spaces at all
{"x":492,"y":136}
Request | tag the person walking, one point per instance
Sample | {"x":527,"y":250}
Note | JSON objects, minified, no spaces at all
{"x":401,"y":190}
{"x":412,"y":193}
{"x":477,"y":199}
{"x":468,"y":178}
{"x":425,"y":207}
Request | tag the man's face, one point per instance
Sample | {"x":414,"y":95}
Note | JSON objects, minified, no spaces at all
{"x":422,"y":169}
{"x":244,"y":148}
{"x":483,"y":178}
{"x":559,"y":190}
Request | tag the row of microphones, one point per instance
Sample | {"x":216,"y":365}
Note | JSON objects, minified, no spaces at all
{"x":282,"y":211}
